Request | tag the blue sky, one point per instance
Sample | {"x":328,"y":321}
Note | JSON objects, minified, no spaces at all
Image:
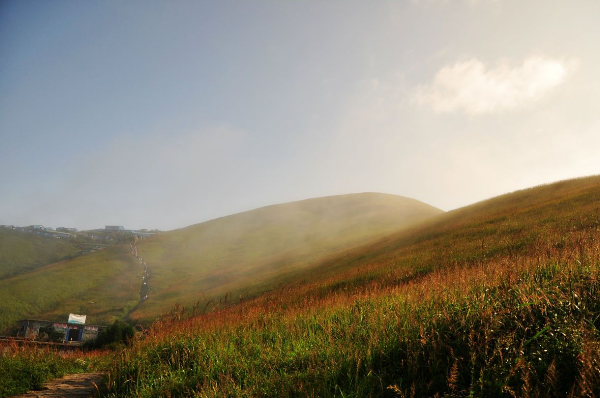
{"x":164,"y":114}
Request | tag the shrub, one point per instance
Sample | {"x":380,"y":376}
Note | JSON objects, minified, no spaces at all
{"x":118,"y":333}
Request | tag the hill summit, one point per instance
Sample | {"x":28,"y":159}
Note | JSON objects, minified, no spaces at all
{"x":253,"y":251}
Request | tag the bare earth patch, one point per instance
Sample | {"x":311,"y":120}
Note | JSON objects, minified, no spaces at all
{"x":71,"y":386}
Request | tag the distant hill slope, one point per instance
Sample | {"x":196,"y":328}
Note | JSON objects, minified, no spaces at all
{"x":22,"y":251}
{"x":103,"y":285}
{"x":254,"y":251}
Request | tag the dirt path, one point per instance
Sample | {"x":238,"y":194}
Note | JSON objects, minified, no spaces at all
{"x":145,"y":278}
{"x":144,"y":287}
{"x":81,"y":385}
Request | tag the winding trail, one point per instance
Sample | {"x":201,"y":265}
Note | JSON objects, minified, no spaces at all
{"x":145,"y":278}
{"x":144,"y":287}
{"x":80,"y":385}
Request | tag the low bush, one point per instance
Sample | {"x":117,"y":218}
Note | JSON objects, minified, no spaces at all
{"x":117,"y":334}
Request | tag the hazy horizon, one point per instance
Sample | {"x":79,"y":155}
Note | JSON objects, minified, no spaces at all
{"x":167,"y":114}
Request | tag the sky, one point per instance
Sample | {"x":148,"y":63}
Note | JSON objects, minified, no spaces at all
{"x":165,"y":114}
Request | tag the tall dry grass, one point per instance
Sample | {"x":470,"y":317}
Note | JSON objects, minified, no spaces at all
{"x":499,"y":299}
{"x":513,"y":327}
{"x":25,"y":367}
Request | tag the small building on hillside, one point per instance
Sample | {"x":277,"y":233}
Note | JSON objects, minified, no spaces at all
{"x":141,"y":234}
{"x":114,"y":228}
{"x":72,"y":331}
{"x":63,"y":235}
{"x":64,"y":229}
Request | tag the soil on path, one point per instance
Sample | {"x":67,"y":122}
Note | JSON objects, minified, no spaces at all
{"x":80,"y":385}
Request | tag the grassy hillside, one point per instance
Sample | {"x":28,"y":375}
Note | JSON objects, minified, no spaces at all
{"x":104,"y":285}
{"x":251,"y":252}
{"x":22,"y":252}
{"x":509,"y":226}
{"x":498,"y":299}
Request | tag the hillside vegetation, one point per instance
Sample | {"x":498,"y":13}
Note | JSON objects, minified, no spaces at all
{"x":249,"y":253}
{"x":103,"y":285}
{"x":498,"y":299}
{"x":243,"y":254}
{"x":22,"y":251}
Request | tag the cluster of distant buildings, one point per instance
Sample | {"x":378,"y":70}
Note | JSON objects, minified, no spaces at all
{"x":60,"y":232}
{"x":139,"y":232}
{"x":65,"y":233}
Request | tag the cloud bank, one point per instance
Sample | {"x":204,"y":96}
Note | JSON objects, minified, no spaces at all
{"x":473,"y":88}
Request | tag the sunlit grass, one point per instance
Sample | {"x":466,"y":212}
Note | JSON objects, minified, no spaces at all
{"x":252,"y":252}
{"x":27,"y":367}
{"x":103,"y":285}
{"x":498,"y":299}
{"x":21,"y":251}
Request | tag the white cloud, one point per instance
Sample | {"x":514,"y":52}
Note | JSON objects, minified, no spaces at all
{"x":475,"y":89}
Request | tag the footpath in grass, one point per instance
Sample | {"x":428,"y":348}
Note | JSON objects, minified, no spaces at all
{"x":79,"y":385}
{"x":27,"y":368}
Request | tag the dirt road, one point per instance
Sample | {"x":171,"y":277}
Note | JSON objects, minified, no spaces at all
{"x":81,"y":385}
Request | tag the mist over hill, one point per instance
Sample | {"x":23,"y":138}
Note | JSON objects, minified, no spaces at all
{"x":254,"y":251}
{"x":496,"y":297}
{"x":239,"y":255}
{"x":481,"y":290}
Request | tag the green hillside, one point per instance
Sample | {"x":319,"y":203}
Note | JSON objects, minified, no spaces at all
{"x":22,"y":251}
{"x":497,"y":299}
{"x":241,"y":254}
{"x":251,"y":252}
{"x":511,"y":225}
{"x":103,"y":285}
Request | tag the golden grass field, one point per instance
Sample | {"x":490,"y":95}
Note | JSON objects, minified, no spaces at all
{"x":243,"y":254}
{"x":252,"y":252}
{"x":497,"y":299}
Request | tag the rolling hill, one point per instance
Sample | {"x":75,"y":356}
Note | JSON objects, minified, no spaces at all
{"x":255,"y":251}
{"x":512,"y":225}
{"x":496,"y":299}
{"x":246,"y":253}
{"x":22,"y":251}
{"x":103,"y":285}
